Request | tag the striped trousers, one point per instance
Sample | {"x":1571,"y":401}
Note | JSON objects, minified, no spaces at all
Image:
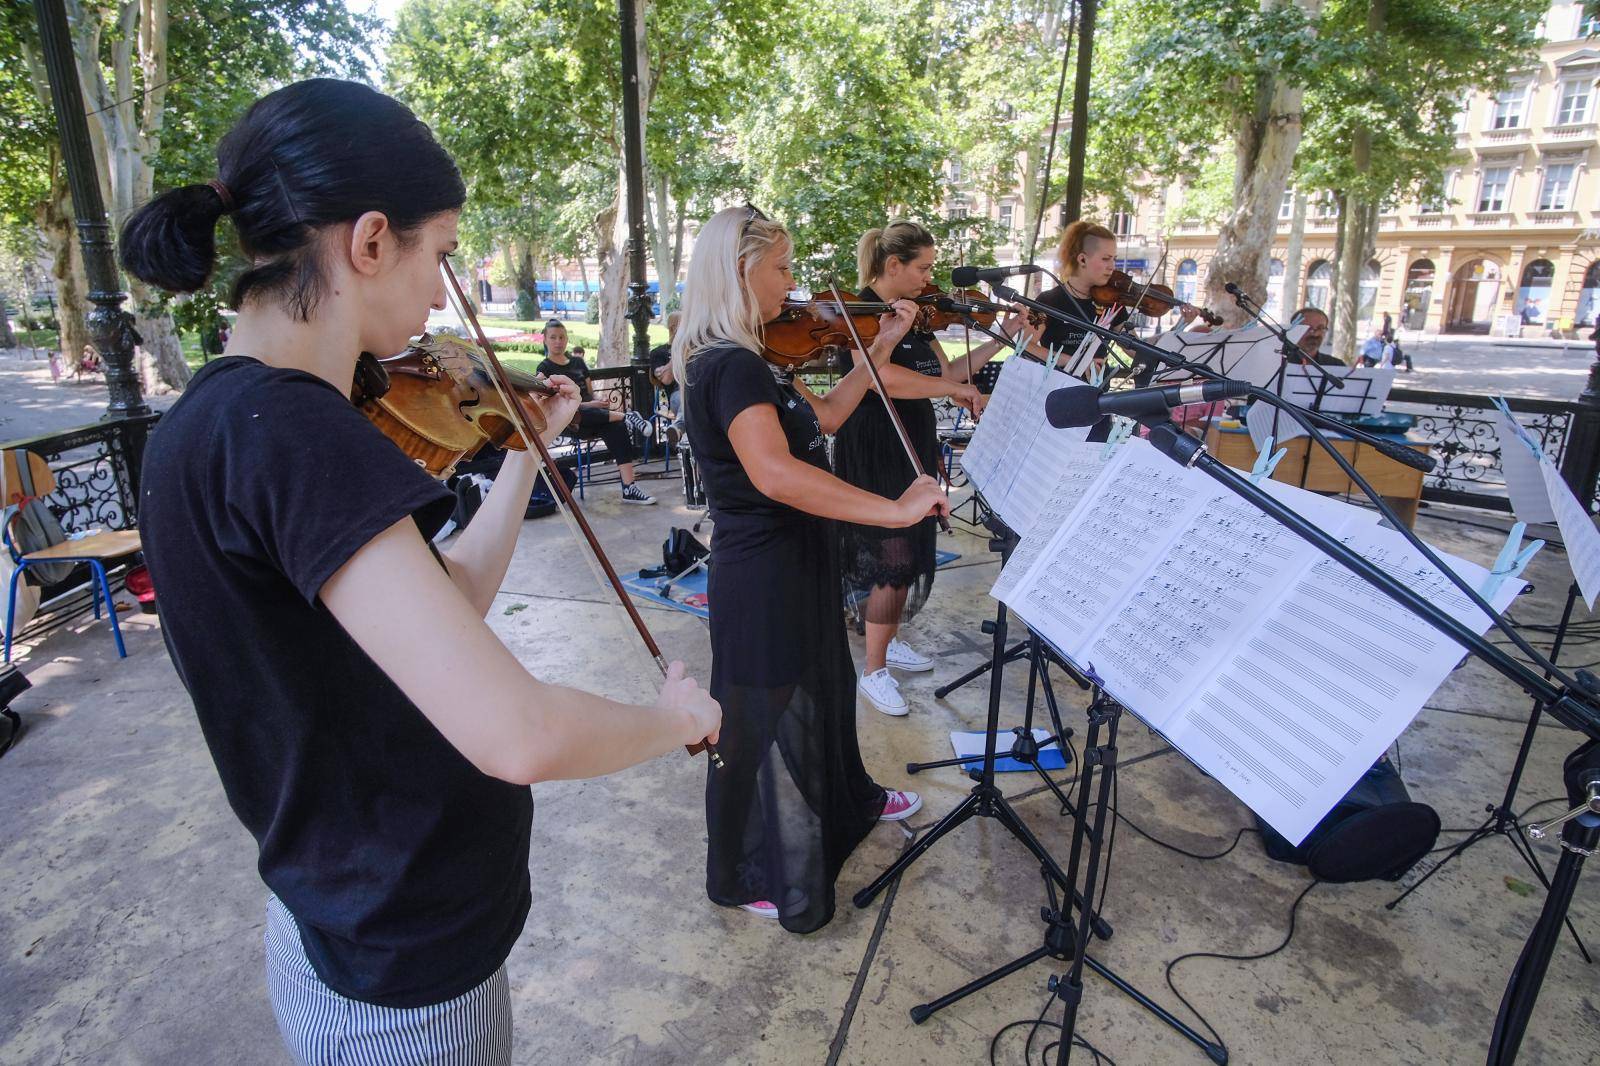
{"x":322,"y":1028}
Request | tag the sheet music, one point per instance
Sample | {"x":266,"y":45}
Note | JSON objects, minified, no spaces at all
{"x":1019,"y":455}
{"x":1081,"y":467}
{"x":1577,"y":532}
{"x":1524,"y":480}
{"x":1117,"y":532}
{"x":1272,"y":667}
{"x":1219,"y":574}
{"x":1251,"y":354}
{"x":1326,"y":680}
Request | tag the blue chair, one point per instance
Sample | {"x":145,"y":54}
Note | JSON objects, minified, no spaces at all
{"x":94,"y":550}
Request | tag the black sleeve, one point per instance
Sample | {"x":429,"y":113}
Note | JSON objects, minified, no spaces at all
{"x":737,"y":380}
{"x":308,"y":481}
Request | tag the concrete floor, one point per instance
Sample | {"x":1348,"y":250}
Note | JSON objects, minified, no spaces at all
{"x":131,"y":915}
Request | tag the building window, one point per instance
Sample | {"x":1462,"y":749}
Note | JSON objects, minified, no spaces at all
{"x":1275,"y":286}
{"x":1122,"y":223}
{"x":1589,"y":298}
{"x":1319,"y":285}
{"x":1573,"y":105}
{"x":1493,"y":189}
{"x":1286,"y":206}
{"x":1556,"y":193}
{"x":1589,"y":21}
{"x":1533,"y":295}
{"x":1325,"y":205}
{"x":1439,"y":203}
{"x":958,"y":212}
{"x":957,"y":174}
{"x":1006,"y":212}
{"x":1508,"y":107}
{"x":1188,"y":280}
{"x":1368,"y":292}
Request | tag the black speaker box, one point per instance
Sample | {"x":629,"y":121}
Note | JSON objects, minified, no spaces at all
{"x":1375,"y":832}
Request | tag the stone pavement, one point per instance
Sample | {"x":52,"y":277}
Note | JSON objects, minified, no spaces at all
{"x":131,"y":915}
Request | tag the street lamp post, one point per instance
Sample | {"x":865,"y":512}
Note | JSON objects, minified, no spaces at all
{"x":633,"y":169}
{"x":109,"y":325}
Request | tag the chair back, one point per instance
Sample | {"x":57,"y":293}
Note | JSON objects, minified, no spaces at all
{"x":29,"y":525}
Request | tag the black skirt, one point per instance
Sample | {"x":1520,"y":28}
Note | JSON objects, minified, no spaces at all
{"x":794,"y":798}
{"x":868,"y":454}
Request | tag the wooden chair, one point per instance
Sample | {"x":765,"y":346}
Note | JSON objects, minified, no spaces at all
{"x":28,"y":477}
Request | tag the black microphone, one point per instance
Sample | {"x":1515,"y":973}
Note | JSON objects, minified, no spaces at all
{"x":1083,"y":406}
{"x":963,"y":276}
{"x":1231,"y":289}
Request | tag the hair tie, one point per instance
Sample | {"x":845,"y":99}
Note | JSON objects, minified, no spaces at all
{"x":228,"y":205}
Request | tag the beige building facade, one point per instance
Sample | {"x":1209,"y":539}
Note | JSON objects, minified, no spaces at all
{"x":1513,"y":246}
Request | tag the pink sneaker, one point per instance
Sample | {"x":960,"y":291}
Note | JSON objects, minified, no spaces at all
{"x":900,"y":806}
{"x":761,"y":908}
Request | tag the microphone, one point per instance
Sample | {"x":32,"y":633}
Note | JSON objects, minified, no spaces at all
{"x":1231,"y":289}
{"x":962,"y":276}
{"x":1083,"y":406}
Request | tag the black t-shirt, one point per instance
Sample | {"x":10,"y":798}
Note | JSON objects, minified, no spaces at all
{"x":574,"y":368}
{"x":1058,"y":334}
{"x":660,"y":356}
{"x":405,"y":866}
{"x":723,"y":381}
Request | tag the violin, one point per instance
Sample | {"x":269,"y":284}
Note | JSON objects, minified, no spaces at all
{"x":805,"y":329}
{"x":437,"y":400}
{"x":444,"y":398}
{"x":1152,"y":300}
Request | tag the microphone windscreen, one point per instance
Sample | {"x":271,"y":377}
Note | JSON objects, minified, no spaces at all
{"x":1075,"y":405}
{"x":962,"y":276}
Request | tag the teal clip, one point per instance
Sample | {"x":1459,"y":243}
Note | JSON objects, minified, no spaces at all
{"x":1511,"y":561}
{"x":1266,"y":462}
{"x":1522,"y":434}
{"x":1121,"y":430}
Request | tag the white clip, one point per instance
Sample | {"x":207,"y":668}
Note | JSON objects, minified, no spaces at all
{"x":1097,"y":376}
{"x":1522,"y":434}
{"x":1512,"y":560}
{"x":1266,"y":462}
{"x":1121,"y":430}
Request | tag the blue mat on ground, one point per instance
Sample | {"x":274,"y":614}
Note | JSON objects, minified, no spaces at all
{"x":649,"y":588}
{"x":1051,"y":758}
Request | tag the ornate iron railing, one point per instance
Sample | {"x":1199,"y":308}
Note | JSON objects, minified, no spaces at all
{"x":96,"y":468}
{"x":1460,"y":428}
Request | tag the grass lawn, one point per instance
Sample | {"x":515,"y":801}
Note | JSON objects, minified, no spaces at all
{"x":580,"y":334}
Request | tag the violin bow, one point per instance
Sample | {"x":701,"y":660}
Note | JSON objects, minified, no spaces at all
{"x":558,"y":485}
{"x":883,"y":393}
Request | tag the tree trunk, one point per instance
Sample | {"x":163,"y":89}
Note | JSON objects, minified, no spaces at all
{"x":1291,"y":259}
{"x":611,"y":235}
{"x":677,"y":255}
{"x":1264,"y":142}
{"x":1358,"y":219}
{"x":66,"y":264}
{"x":8,"y":339}
{"x":658,"y":221}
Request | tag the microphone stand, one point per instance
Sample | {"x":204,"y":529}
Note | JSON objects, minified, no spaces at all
{"x":1260,"y":317}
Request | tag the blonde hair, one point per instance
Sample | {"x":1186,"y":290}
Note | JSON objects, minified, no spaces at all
{"x":1072,"y":242}
{"x":717,"y":304}
{"x":902,"y":239}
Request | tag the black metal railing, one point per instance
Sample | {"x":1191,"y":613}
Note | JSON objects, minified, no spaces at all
{"x":1460,"y":429}
{"x":96,"y":468}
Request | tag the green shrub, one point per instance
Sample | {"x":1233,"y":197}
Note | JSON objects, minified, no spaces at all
{"x":591,"y":313}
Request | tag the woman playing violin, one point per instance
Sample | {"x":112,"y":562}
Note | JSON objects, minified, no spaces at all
{"x":325,"y":645}
{"x":893,"y":567}
{"x":1086,"y":256}
{"x":794,"y":799}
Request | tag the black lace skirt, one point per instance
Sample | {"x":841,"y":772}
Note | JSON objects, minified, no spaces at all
{"x":794,"y":798}
{"x":868,"y":454}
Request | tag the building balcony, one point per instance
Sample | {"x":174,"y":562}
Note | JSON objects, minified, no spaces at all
{"x":1430,"y":219}
{"x":1553,"y":218}
{"x":1569,"y":135}
{"x":1490,"y":218}
{"x":1498,"y":140}
{"x":1328,"y":222}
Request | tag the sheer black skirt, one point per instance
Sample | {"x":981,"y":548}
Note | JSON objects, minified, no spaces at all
{"x":794,"y":798}
{"x":868,"y":454}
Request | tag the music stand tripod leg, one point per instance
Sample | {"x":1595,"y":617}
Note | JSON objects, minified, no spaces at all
{"x":1502,"y":819}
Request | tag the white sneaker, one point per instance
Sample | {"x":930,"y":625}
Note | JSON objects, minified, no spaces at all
{"x":883,"y":692}
{"x":902,"y":656}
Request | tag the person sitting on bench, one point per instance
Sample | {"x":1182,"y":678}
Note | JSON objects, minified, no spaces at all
{"x":595,"y":417}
